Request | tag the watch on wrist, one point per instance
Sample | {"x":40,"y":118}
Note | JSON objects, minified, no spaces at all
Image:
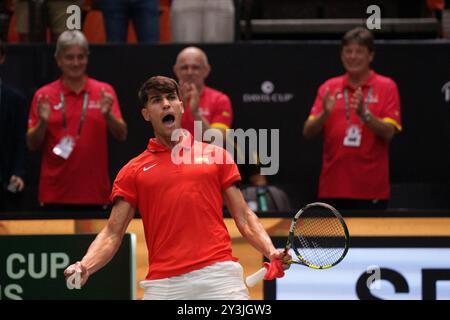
{"x":366,"y":116}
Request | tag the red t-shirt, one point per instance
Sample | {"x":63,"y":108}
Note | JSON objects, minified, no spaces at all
{"x":180,"y":205}
{"x":214,"y":106}
{"x":357,"y":172}
{"x":83,"y":178}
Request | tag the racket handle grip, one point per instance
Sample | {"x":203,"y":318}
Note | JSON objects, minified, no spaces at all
{"x":258,"y":276}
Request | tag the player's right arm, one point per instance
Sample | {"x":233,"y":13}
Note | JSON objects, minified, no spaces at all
{"x":106,"y":244}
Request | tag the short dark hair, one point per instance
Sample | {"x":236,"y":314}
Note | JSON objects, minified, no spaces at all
{"x":158,"y":85}
{"x":361,"y":36}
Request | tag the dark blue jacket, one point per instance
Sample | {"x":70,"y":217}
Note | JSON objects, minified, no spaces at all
{"x":13,"y":128}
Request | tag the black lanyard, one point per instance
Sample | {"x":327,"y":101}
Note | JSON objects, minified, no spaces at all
{"x":83,"y":112}
{"x":347,"y":107}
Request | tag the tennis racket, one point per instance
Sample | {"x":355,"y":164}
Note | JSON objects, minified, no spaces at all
{"x":319,"y":237}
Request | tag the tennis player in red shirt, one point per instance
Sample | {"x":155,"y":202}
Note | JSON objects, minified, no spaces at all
{"x":180,"y":202}
{"x":359,"y":113}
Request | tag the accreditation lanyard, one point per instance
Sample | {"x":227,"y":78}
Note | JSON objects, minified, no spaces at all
{"x":83,"y":113}
{"x":347,"y":106}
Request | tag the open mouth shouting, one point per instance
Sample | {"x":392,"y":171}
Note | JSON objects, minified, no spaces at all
{"x":168,"y":120}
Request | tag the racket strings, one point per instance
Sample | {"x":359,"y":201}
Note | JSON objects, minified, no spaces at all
{"x":320,"y":239}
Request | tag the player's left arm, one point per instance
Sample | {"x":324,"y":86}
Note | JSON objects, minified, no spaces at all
{"x":248,"y":224}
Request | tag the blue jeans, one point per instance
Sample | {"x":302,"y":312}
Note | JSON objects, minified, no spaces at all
{"x":143,"y":13}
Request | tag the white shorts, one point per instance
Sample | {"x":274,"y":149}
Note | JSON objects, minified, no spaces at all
{"x":219,"y":281}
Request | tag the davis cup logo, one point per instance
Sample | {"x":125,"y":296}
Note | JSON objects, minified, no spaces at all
{"x":267,"y":87}
{"x":268,"y":95}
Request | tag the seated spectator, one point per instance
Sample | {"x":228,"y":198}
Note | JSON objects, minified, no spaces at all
{"x":264,"y":198}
